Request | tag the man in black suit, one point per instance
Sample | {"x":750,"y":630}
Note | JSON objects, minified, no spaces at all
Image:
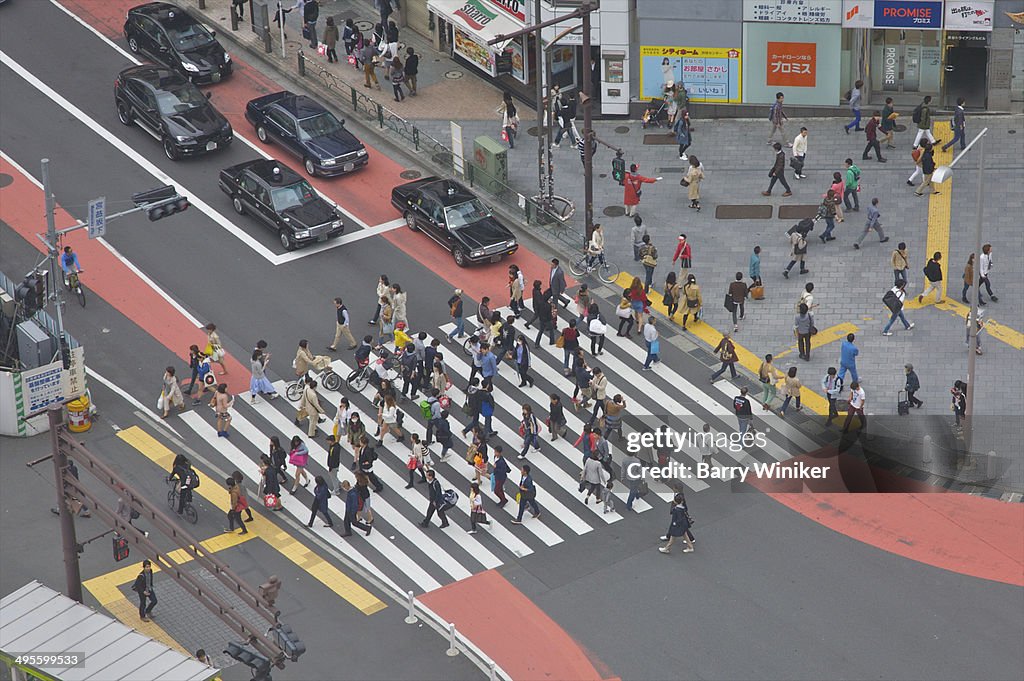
{"x":556,"y":281}
{"x":143,"y":586}
{"x":436,"y":501}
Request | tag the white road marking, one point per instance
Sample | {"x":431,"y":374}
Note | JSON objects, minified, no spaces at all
{"x":131,"y":400}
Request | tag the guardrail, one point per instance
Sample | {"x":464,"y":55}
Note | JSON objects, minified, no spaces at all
{"x":555,"y":220}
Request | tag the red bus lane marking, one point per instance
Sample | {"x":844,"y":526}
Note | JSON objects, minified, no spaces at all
{"x":23,"y":209}
{"x":969,"y":535}
{"x":540,"y":650}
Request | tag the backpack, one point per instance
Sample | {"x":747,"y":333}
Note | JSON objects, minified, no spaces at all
{"x":425,"y":409}
{"x":192,"y":479}
{"x":800,"y":247}
{"x":451,"y":497}
{"x":771,"y":112}
{"x":916,"y":116}
{"x":892,"y":301}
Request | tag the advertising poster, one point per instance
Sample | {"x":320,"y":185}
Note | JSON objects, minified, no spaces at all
{"x":969,"y":16}
{"x":478,"y":53}
{"x":793,"y":11}
{"x":709,"y":74}
{"x":792,"y":64}
{"x":908,"y":14}
{"x":518,"y":60}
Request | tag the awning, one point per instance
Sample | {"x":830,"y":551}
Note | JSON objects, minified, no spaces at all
{"x":477,"y":17}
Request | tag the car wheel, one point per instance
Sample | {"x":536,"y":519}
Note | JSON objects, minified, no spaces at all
{"x":236,"y":203}
{"x":124,"y":114}
{"x":133,"y":45}
{"x":310,"y":168}
{"x":460,"y":257}
{"x":410,"y":221}
{"x":261,"y":132}
{"x":170,"y":149}
{"x":286,"y":240}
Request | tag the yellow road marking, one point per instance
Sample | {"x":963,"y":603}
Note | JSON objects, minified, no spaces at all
{"x":822,"y":338}
{"x":711,"y":336}
{"x":261,"y":528}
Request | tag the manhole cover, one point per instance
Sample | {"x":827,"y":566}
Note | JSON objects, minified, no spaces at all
{"x":453,"y":75}
{"x":622,"y":129}
{"x":5,"y":179}
{"x":532,"y":132}
{"x":410,"y":175}
{"x":364,"y":26}
{"x":614,"y":211}
{"x":603,"y":175}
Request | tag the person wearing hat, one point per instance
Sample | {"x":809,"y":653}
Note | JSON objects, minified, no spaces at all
{"x":633,"y":183}
{"x":913,"y":385}
{"x":143,"y":586}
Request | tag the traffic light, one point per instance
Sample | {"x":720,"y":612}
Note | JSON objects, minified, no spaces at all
{"x":259,"y":664}
{"x":619,"y":168}
{"x":287,"y":641}
{"x":31,"y":293}
{"x":162,"y":209}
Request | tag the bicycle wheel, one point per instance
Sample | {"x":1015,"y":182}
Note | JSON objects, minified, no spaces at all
{"x":332,"y":381}
{"x":80,"y":290}
{"x":294,"y":391}
{"x":578,"y":265}
{"x":172,"y":500}
{"x":356,"y":381}
{"x":467,"y":345}
{"x":190,"y":514}
{"x":607,"y":272}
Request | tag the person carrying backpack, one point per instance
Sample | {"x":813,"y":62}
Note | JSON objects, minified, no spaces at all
{"x":922,"y":116}
{"x":777,"y":116}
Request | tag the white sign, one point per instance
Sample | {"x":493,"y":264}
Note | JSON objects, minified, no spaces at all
{"x":458,"y":162}
{"x":52,"y":384}
{"x":858,"y":13}
{"x":970,"y":16}
{"x":794,"y":11}
{"x":98,"y":217}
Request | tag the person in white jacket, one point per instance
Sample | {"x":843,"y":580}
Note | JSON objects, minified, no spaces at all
{"x":986,"y":267}
{"x":800,"y":153}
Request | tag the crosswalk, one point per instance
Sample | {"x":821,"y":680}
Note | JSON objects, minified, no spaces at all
{"x":407,"y":557}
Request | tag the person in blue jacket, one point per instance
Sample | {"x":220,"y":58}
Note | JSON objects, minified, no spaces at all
{"x":848,"y":358}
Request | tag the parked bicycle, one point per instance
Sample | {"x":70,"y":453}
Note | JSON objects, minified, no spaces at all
{"x":187,"y":509}
{"x":325,"y":377}
{"x":583,"y":264}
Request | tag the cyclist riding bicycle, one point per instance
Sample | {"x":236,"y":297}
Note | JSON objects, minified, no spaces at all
{"x":69,"y":262}
{"x":595,"y":249}
{"x":186,"y":479}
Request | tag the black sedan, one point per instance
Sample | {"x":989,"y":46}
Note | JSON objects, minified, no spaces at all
{"x":170,"y":36}
{"x":452,"y":216}
{"x":283,"y":200}
{"x":307,"y":129}
{"x":171,"y":109}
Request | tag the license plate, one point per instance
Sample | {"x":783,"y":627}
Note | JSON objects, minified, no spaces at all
{"x":348,"y":167}
{"x":210,"y":146}
{"x":322,"y":237}
{"x":495,"y":258}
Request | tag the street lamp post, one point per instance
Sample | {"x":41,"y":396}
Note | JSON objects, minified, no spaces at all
{"x":942,"y":173}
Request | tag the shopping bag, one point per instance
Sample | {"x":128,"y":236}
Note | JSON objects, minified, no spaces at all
{"x":161,"y":401}
{"x":321,"y":49}
{"x":504,"y":135}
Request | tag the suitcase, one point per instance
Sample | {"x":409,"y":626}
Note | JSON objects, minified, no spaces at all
{"x":902,"y":403}
{"x":757,"y":292}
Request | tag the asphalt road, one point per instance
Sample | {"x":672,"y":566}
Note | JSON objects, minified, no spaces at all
{"x":769,"y":594}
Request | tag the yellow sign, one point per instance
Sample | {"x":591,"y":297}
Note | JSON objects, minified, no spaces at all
{"x":709,"y":74}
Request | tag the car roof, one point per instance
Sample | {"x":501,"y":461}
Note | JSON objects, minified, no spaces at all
{"x":163,"y":12}
{"x":264,"y":169}
{"x":159,"y":77}
{"x":448,"y":192}
{"x":300,"y":106}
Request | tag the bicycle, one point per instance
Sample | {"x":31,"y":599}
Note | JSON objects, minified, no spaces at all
{"x":366,"y":371}
{"x":606,"y":271}
{"x":187,"y":509}
{"x":325,"y":377}
{"x":73,"y":283}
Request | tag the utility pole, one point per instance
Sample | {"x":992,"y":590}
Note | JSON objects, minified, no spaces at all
{"x":69,"y":541}
{"x":972,"y":355}
{"x":542,"y":147}
{"x":588,"y":119}
{"x":52,"y":249}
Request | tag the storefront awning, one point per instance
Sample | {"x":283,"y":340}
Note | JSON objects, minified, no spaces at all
{"x":477,"y":17}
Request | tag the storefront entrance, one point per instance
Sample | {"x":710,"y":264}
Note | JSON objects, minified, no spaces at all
{"x":906,"y":61}
{"x":966,"y":68}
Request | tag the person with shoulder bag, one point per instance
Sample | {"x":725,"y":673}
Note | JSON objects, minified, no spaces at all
{"x":726,"y":352}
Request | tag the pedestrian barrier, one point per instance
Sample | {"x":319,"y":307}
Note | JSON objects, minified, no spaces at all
{"x":411,"y":617}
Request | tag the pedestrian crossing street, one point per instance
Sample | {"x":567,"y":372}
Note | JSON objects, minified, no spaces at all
{"x":408,"y":558}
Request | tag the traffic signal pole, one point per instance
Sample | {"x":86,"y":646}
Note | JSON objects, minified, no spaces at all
{"x":588,"y":120}
{"x":52,"y":246}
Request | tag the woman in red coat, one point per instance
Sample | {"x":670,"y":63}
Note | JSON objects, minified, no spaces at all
{"x":633,"y":184}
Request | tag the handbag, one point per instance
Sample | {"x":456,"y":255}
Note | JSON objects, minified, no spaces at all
{"x":161,"y":401}
{"x":321,"y":49}
{"x":494,"y":482}
{"x":730,"y":305}
{"x":655,"y":346}
{"x":504,"y":135}
{"x":471,"y":453}
{"x":269,"y":501}
{"x":412,"y":464}
{"x":642,"y":488}
{"x":649,"y":261}
{"x":684,"y":182}
{"x":597,"y":327}
{"x":757,"y":292}
{"x":560,"y":342}
{"x":352,"y":60}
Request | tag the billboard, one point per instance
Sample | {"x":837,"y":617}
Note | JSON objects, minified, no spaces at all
{"x":970,"y":16}
{"x":791,"y":64}
{"x":919,"y":14}
{"x":709,"y":74}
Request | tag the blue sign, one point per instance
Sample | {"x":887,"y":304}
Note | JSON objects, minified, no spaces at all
{"x":908,"y":14}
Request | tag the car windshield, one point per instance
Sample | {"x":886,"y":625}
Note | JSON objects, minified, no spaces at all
{"x":187,"y":35}
{"x":466,"y":213}
{"x":320,"y":125}
{"x":180,"y":99}
{"x":293,"y":195}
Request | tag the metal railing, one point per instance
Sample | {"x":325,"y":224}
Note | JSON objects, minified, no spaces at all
{"x":555,"y":223}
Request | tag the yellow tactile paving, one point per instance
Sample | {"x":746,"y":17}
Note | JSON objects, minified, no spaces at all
{"x":823,"y":337}
{"x":261,"y":528}
{"x":710,"y":335}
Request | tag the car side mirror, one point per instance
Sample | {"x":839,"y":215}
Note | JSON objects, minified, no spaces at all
{"x":213,"y":34}
{"x":209,"y":94}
